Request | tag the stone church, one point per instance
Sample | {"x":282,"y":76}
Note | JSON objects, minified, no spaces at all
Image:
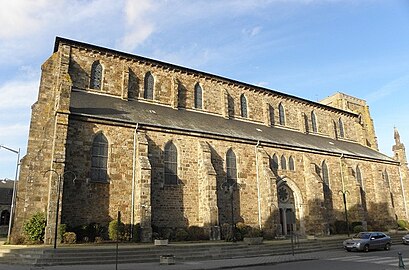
{"x":173,"y":147}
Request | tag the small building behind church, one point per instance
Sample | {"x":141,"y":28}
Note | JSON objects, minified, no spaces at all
{"x":6,"y":194}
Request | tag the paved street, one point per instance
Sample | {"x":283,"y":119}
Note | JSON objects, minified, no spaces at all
{"x":341,"y":260}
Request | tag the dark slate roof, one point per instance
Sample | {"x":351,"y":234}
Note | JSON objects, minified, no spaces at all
{"x":146,"y":114}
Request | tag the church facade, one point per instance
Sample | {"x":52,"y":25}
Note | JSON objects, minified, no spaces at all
{"x":173,"y":147}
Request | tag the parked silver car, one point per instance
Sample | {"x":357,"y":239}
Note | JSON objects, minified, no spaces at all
{"x":364,"y":241}
{"x":405,"y":239}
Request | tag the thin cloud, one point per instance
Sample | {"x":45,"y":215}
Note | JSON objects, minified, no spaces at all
{"x":18,"y":94}
{"x":389,"y":89}
{"x":7,"y":132}
{"x":252,"y":31}
{"x":262,"y":84}
{"x":138,"y":26}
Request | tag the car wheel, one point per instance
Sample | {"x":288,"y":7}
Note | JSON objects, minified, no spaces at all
{"x":366,"y":248}
{"x":387,"y":246}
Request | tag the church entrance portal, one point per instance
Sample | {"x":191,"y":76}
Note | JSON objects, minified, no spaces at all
{"x":286,"y":205}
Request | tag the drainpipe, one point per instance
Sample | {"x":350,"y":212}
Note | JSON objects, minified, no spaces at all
{"x":403,"y":192}
{"x":133,"y":180}
{"x":258,"y":186}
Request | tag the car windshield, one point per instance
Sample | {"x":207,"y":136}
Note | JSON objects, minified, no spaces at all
{"x":362,"y":235}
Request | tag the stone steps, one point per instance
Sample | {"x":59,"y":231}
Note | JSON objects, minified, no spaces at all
{"x":138,"y":254}
{"x":143,"y":253}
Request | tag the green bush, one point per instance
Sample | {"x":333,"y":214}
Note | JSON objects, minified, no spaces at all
{"x":62,"y":229}
{"x":99,"y":239}
{"x":34,"y":228}
{"x":241,"y":230}
{"x":226,"y":231}
{"x":403,"y":224}
{"x":88,"y":233}
{"x":116,"y":231}
{"x":197,"y":233}
{"x":340,"y":226}
{"x":136,"y":237}
{"x":355,"y":223}
{"x":358,"y":228}
{"x":253,"y":232}
{"x":69,"y":238}
{"x":269,"y":234}
{"x":181,"y":234}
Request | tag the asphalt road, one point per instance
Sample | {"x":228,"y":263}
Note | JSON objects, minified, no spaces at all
{"x":342,"y":260}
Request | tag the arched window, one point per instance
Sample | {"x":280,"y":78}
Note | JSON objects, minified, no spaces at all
{"x":274,"y":163}
{"x":335,"y":129}
{"x":291,"y":164}
{"x":271,"y":112}
{"x":314,"y":122}
{"x":171,"y":164}
{"x":96,"y":75}
{"x":5,"y":217}
{"x":149,"y":85}
{"x":132,"y":85}
{"x":325,"y":175}
{"x":198,"y":96}
{"x":362,"y":192}
{"x":231,"y":167}
{"x":341,"y":128}
{"x":283,"y":163}
{"x":325,"y":186}
{"x":281,"y":114}
{"x":358,"y":176}
{"x":230,"y":105}
{"x":99,"y":158}
{"x":306,"y":125}
{"x":243,"y":106}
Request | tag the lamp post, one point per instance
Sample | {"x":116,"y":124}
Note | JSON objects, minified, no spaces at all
{"x":13,"y":198}
{"x":60,"y":178}
{"x":230,"y":187}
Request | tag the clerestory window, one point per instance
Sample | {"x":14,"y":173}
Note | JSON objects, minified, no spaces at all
{"x":281,"y":114}
{"x":198,"y":96}
{"x":243,"y":106}
{"x":314,"y":122}
{"x":96,"y":75}
{"x":149,"y":84}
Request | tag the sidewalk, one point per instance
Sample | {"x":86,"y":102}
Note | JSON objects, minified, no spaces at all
{"x":198,"y":265}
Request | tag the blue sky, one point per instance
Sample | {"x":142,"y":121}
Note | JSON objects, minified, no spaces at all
{"x":306,"y":48}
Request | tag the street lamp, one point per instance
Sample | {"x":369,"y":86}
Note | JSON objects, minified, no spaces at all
{"x":60,"y":178}
{"x":230,"y":187}
{"x":13,"y":198}
{"x":344,"y":197}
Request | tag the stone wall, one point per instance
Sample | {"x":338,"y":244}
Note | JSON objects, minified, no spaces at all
{"x":198,"y":198}
{"x":46,"y":151}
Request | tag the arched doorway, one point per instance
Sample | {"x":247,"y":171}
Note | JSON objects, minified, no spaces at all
{"x":291,"y":206}
{"x":286,"y":205}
